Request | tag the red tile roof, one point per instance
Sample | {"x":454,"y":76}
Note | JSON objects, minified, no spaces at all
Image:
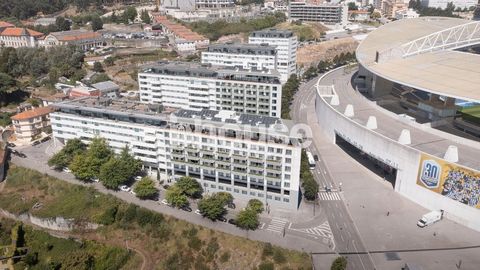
{"x":32,"y":113}
{"x":5,"y":24}
{"x":74,"y":35}
{"x":17,"y":32}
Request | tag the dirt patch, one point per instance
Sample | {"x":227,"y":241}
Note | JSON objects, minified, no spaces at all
{"x":327,"y":50}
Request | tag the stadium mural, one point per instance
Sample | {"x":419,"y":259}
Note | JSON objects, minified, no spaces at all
{"x":450,"y":180}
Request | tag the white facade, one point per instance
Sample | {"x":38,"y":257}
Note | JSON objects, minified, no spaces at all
{"x":325,"y":13}
{"x":285,"y":42}
{"x":192,"y":86}
{"x":207,"y":4}
{"x":246,"y":56}
{"x":237,"y":160}
{"x":443,"y":3}
{"x":185,"y":45}
{"x":406,"y":14}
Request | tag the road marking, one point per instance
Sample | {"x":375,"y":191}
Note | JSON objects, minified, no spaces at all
{"x":329,"y":196}
{"x":277,"y":225}
{"x":322,"y":230}
{"x":263,"y":225}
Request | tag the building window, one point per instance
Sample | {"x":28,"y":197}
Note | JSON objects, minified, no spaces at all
{"x":286,"y":200}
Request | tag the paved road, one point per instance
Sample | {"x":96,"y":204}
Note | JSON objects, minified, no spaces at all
{"x":346,"y":236}
{"x":274,"y":230}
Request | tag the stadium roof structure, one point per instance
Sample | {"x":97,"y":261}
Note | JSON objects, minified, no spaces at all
{"x":421,"y":53}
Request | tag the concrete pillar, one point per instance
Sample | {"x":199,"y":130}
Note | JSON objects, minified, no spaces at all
{"x":372,"y":122}
{"x":452,"y":154}
{"x":349,"y":111}
{"x":405,"y":137}
{"x":335,"y":101}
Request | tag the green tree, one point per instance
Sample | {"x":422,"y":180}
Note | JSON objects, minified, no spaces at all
{"x":225,"y":197}
{"x":65,"y":156}
{"x":129,"y":14}
{"x":375,"y":15}
{"x":145,"y":17}
{"x":97,"y":67}
{"x":97,"y":23}
{"x":87,"y":166}
{"x":109,"y":61}
{"x":212,"y":207}
{"x":129,"y":164}
{"x":189,"y":186}
{"x":175,"y":197}
{"x":100,"y":77}
{"x":339,"y":263}
{"x":62,"y":24}
{"x":6,"y":82}
{"x":111,"y":175}
{"x":247,"y":219}
{"x":145,"y":188}
{"x":255,"y":205}
{"x":352,"y":6}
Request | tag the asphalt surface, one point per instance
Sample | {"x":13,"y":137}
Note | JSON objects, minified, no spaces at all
{"x":346,"y":236}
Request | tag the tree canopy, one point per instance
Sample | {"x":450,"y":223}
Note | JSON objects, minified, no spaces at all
{"x":97,"y":23}
{"x":339,"y":263}
{"x":255,"y":205}
{"x":189,"y":187}
{"x":87,"y":166}
{"x":118,"y":170}
{"x":247,"y":219}
{"x":175,"y":197}
{"x":65,"y":156}
{"x":145,"y":188}
{"x":212,"y":207}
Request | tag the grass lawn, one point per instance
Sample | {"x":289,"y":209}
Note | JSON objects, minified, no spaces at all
{"x":304,"y":31}
{"x":471,"y":114}
{"x":162,"y":241}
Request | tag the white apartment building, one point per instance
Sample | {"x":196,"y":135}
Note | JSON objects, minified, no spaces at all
{"x":197,"y":87}
{"x":443,"y":3}
{"x":208,"y":4}
{"x":246,"y":56}
{"x":285,"y":42}
{"x":326,"y":13}
{"x":249,"y":156}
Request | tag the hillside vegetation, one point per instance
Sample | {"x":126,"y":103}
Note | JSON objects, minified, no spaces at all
{"x":165,"y":242}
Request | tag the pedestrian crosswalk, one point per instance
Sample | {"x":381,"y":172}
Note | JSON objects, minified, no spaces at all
{"x":277,"y":225}
{"x":329,"y":196}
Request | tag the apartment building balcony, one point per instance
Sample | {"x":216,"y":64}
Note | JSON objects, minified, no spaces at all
{"x":274,"y":169}
{"x":224,"y":180}
{"x":256,"y":165}
{"x":273,"y":177}
{"x":207,"y":165}
{"x":240,"y":171}
{"x":256,"y":173}
{"x":223,"y":162}
{"x":227,"y":169}
{"x":274,"y":162}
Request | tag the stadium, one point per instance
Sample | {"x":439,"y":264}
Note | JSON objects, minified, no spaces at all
{"x":411,"y":112}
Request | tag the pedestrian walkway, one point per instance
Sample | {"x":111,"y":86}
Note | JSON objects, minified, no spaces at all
{"x":277,"y":225}
{"x":329,"y":196}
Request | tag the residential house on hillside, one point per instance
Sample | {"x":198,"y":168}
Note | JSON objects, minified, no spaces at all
{"x":30,"y":124}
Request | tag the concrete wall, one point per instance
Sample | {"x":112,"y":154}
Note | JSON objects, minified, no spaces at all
{"x":404,"y":158}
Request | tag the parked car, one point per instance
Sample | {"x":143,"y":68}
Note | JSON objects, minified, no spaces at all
{"x":19,"y":154}
{"x":45,"y":139}
{"x":133,"y":192}
{"x":166,"y":186}
{"x":36,"y":143}
{"x":67,"y":170}
{"x":125,"y":188}
{"x":186,"y":208}
{"x":138,"y":178}
{"x":164,"y":201}
{"x":315,"y":157}
{"x":96,"y":180}
{"x":232,"y":221}
{"x":231,"y":205}
{"x":11,"y":144}
{"x":198,"y":212}
{"x":222,"y":219}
